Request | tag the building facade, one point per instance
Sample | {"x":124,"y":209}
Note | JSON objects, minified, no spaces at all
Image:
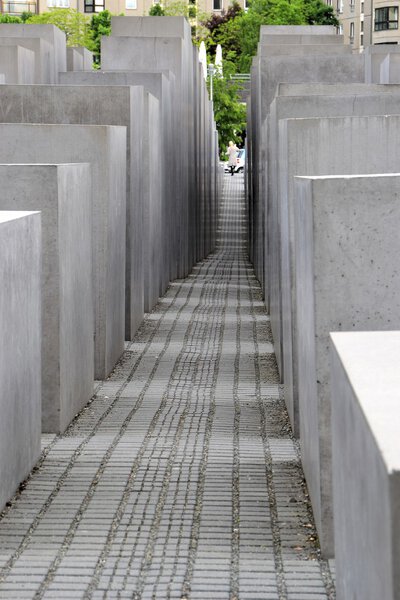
{"x":368,"y":22}
{"x":127,"y":7}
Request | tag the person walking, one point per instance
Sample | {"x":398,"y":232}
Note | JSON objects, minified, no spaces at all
{"x":231,"y":152}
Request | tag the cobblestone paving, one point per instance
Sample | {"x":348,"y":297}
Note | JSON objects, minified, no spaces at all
{"x":180,"y":479}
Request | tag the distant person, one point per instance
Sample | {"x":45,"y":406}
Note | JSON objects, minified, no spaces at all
{"x":231,"y":152}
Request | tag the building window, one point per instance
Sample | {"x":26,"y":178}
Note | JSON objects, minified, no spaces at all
{"x":58,"y":3}
{"x":386,"y":18}
{"x":131,"y":4}
{"x":351,"y":33}
{"x":94,"y":6}
{"x":362,"y":8}
{"x":217,"y":4}
{"x":362,"y":39}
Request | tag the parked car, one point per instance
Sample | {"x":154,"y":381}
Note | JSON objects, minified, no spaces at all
{"x":240,"y":161}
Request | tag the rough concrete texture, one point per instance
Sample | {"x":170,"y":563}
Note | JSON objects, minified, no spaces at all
{"x":365,"y":425}
{"x":267,"y":50}
{"x":105,"y":148}
{"x":279,"y":223}
{"x":333,"y":89}
{"x":390,"y":69}
{"x":20,"y":390}
{"x":347,"y":278}
{"x":303,"y":40}
{"x":172,"y":53}
{"x":292,"y":30}
{"x":160,"y":84}
{"x":374,"y":56}
{"x":74,"y":60}
{"x":63,"y":195}
{"x":2,"y":78}
{"x":44,"y":58}
{"x":154,"y":27}
{"x":50,"y":33}
{"x":17,"y":64}
{"x":111,"y":105}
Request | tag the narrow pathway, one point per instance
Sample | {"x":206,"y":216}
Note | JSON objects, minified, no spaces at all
{"x":180,"y":480}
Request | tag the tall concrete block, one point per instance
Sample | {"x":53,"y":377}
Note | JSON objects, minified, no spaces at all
{"x":2,"y":78}
{"x":292,"y":30}
{"x":20,"y":387}
{"x":49,"y":33}
{"x":347,"y":279}
{"x":147,"y":53}
{"x":44,"y":57}
{"x":74,"y":60}
{"x":105,"y":148}
{"x":374,"y":56}
{"x":17,"y":64}
{"x":365,"y":425}
{"x":161,"y":85}
{"x":109,"y":105}
{"x":390,"y":69}
{"x":150,"y":27}
{"x":63,"y":195}
{"x":278,"y":223}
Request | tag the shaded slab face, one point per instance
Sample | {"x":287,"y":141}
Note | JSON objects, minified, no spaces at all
{"x":63,"y":195}
{"x":365,"y":422}
{"x":20,"y":387}
{"x":151,"y":27}
{"x":50,"y":33}
{"x":17,"y":64}
{"x":314,"y":398}
{"x":44,"y":70}
{"x":278,"y":223}
{"x":110,"y":105}
{"x":105,"y":148}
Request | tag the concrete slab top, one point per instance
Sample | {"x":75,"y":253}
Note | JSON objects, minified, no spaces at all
{"x":371,"y":362}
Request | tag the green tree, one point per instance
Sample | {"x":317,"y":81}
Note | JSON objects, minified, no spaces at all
{"x":229,"y":112}
{"x":9,"y":19}
{"x":73,"y":23}
{"x":100,"y":24}
{"x":156,"y":10}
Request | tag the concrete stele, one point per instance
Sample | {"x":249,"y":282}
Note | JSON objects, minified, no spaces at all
{"x":105,"y":148}
{"x":365,"y":429}
{"x":347,"y":278}
{"x":20,"y":387}
{"x":63,"y":195}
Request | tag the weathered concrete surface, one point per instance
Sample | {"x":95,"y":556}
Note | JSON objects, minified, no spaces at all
{"x":105,"y":148}
{"x":150,"y":27}
{"x":347,"y":278}
{"x":63,"y":195}
{"x":365,"y":424}
{"x":374,"y":56}
{"x":50,"y":33}
{"x":390,"y":69}
{"x":17,"y":64}
{"x":20,"y":389}
{"x":279,"y":221}
{"x":44,"y":57}
{"x":288,"y":31}
{"x":160,"y":84}
{"x":110,"y":105}
{"x":173,"y":53}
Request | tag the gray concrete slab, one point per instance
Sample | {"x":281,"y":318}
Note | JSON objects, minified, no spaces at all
{"x":17,"y":64}
{"x":315,"y":158}
{"x":49,"y":33}
{"x":290,"y":30}
{"x":63,"y":195}
{"x":267,"y":50}
{"x":20,"y":388}
{"x":374,"y":56}
{"x":45,"y":66}
{"x":160,"y":84}
{"x":173,"y":53}
{"x":150,"y":27}
{"x":390,"y":69}
{"x":105,"y":148}
{"x":365,"y":421}
{"x":279,"y":221}
{"x":110,"y":105}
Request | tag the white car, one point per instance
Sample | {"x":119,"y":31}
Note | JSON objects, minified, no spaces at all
{"x":240,"y":162}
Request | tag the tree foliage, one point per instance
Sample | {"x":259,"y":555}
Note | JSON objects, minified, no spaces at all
{"x":156,"y":10}
{"x":229,"y":112}
{"x":100,"y":24}
{"x":73,"y":23}
{"x":9,"y":19}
